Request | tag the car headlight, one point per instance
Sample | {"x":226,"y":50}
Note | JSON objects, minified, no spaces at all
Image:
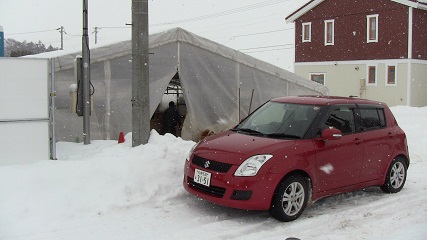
{"x":191,"y":151}
{"x":252,"y":165}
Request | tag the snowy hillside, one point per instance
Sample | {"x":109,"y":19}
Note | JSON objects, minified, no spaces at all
{"x":107,"y":190}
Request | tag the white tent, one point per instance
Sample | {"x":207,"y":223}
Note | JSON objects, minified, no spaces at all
{"x":219,"y":85}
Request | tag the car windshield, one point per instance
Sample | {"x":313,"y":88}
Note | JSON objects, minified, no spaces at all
{"x":279,"y":120}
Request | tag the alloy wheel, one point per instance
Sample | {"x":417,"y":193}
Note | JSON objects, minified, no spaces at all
{"x":397,"y":175}
{"x":293,"y":198}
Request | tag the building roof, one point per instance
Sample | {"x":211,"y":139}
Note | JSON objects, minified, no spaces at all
{"x":420,"y":4}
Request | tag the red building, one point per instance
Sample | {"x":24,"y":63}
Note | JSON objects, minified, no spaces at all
{"x":373,"y":49}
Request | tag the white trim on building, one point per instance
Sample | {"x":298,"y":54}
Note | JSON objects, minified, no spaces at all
{"x":372,"y":36}
{"x":419,"y":5}
{"x":329,"y":33}
{"x":313,"y":74}
{"x":361,"y":62}
{"x":410,"y":36}
{"x":306,"y":37}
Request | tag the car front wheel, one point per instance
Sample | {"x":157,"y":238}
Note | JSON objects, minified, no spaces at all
{"x":396,"y":176}
{"x":290,"y":199}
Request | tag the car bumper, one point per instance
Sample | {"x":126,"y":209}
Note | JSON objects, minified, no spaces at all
{"x":250,"y":193}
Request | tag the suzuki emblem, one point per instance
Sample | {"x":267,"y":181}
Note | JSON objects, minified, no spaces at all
{"x":207,"y":163}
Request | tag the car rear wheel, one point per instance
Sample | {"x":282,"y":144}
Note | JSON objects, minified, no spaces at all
{"x":396,"y":176}
{"x":290,"y":199}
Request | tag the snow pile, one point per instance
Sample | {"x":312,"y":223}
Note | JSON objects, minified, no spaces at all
{"x":413,"y":122}
{"x":90,"y":180}
{"x":107,"y":190}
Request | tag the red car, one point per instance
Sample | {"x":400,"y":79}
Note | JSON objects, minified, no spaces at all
{"x":295,"y":150}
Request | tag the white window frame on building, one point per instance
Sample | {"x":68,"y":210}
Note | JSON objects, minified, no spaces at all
{"x":388,"y":76}
{"x":372,"y":34}
{"x":317,"y":74}
{"x":306,"y":32}
{"x":329,"y":32}
{"x":369,"y":81}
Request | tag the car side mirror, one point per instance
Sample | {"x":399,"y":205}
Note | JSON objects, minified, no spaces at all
{"x":331,"y":134}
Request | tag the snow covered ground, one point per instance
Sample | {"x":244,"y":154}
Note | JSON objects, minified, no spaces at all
{"x":107,"y":190}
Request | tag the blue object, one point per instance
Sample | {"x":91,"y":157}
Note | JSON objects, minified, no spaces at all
{"x":1,"y":42}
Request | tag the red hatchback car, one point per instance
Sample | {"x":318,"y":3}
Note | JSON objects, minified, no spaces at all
{"x":295,"y":150}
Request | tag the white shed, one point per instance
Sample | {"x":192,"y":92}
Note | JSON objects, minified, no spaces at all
{"x":217,"y":85}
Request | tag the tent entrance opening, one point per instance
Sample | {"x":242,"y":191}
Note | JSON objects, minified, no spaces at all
{"x":161,"y":120}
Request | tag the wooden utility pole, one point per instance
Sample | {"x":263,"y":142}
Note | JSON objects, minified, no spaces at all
{"x":96,"y":34}
{"x":140,"y":75}
{"x":62,"y":31}
{"x":86,"y":75}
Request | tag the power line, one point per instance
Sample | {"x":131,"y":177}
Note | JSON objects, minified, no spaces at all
{"x":257,"y":19}
{"x":259,"y":33}
{"x":245,"y":25}
{"x":113,"y":27}
{"x":239,"y":26}
{"x":282,"y":45}
{"x":32,"y":32}
{"x":269,"y":50}
{"x":203,"y":17}
{"x":198,"y":18}
{"x":74,"y":35}
{"x":223,"y":13}
{"x":215,"y":30}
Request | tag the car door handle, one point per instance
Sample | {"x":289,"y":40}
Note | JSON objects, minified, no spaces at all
{"x":390,"y":135}
{"x":358,"y":141}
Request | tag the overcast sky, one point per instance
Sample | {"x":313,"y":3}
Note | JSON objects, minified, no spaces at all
{"x":256,"y":27}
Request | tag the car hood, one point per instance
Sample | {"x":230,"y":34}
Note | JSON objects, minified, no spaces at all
{"x":234,"y":148}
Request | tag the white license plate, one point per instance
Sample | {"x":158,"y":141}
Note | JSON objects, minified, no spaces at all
{"x":202,"y":177}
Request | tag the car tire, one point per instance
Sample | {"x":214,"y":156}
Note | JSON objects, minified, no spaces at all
{"x":396,"y":176}
{"x":290,"y":199}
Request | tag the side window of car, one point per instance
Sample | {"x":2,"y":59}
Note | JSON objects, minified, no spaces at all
{"x":372,"y":118}
{"x":342,"y":119}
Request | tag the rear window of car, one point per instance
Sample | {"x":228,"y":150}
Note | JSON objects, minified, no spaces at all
{"x":372,"y":118}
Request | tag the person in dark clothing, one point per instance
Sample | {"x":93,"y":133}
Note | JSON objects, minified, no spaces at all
{"x":171,"y":119}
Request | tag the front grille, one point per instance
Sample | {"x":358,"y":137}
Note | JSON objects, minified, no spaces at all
{"x":211,"y":190}
{"x":212,"y":165}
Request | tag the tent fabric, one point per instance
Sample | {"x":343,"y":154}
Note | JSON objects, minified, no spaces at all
{"x":220,"y":85}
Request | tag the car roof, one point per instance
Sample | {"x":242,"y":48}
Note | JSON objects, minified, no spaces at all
{"x":326,"y":100}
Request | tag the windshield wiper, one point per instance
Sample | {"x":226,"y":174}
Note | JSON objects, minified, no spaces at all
{"x":247,"y":130}
{"x":283,"y":135}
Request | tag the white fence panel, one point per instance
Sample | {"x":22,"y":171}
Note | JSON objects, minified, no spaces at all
{"x":24,"y":110}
